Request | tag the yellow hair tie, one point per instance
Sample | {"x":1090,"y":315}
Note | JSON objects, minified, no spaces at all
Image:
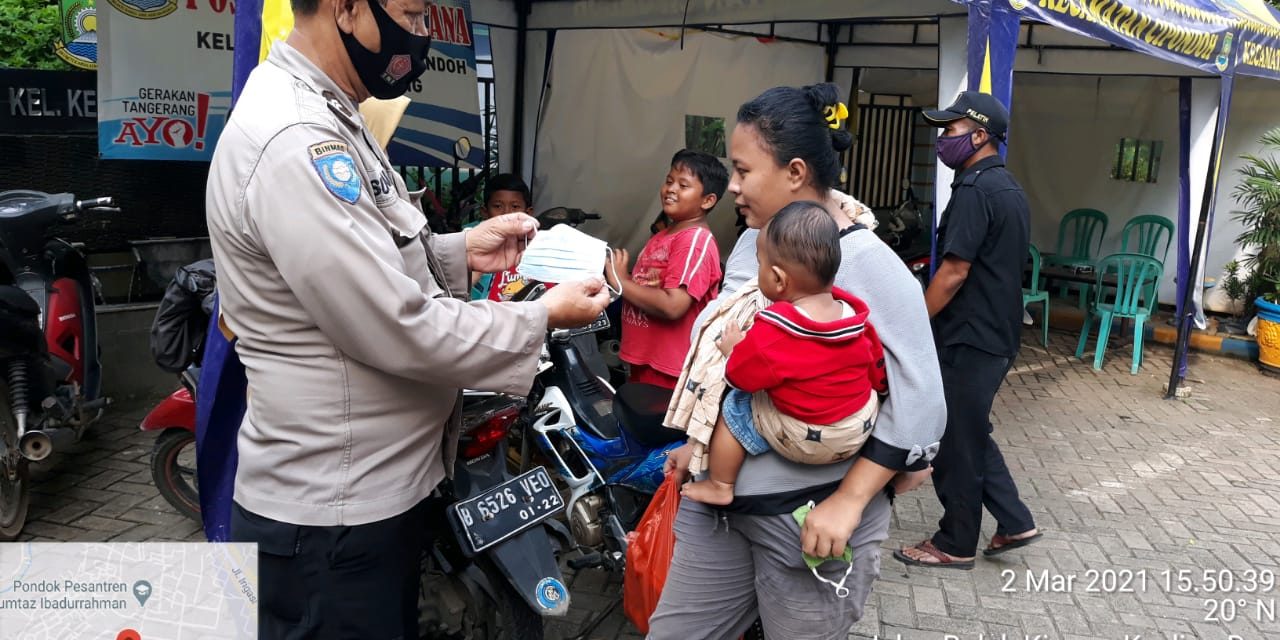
{"x":836,"y":114}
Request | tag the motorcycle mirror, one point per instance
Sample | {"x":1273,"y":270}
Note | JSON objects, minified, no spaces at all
{"x":554,"y":216}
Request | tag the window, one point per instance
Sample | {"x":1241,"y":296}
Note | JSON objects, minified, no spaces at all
{"x":706,"y":134}
{"x":1137,"y":160}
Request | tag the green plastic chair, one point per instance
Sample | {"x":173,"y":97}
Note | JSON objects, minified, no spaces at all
{"x":1036,"y":294}
{"x":1137,"y":277}
{"x":1150,"y":236}
{"x":1080,"y":235}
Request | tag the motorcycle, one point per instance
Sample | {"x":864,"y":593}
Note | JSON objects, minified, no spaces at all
{"x":491,"y":570}
{"x":607,"y":446}
{"x":50,"y":371}
{"x":904,"y":228}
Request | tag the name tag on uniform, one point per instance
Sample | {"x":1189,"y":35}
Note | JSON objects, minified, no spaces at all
{"x":383,"y":188}
{"x":332,"y":160}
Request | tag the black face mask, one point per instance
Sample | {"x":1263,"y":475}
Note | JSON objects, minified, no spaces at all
{"x":403,"y":58}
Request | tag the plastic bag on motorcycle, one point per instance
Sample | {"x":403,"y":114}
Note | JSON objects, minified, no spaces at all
{"x":178,"y":331}
{"x":649,"y":555}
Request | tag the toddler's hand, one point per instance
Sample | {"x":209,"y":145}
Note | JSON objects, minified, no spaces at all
{"x":730,"y":338}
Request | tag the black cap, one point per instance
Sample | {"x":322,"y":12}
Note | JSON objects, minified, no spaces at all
{"x":979,"y":107}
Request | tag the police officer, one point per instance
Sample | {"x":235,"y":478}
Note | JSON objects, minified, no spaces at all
{"x":975,"y":300}
{"x":353,"y":325}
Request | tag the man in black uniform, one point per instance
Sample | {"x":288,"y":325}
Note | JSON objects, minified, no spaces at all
{"x":975,"y":300}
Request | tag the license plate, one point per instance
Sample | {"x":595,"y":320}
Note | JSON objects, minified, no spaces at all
{"x":507,"y":509}
{"x":599,"y":324}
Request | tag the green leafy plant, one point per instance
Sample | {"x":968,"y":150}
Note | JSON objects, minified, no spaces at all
{"x":1259,"y":196}
{"x":30,"y":31}
{"x":1235,"y":288}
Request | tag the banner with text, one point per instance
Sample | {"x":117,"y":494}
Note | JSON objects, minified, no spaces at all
{"x":61,"y":102}
{"x":445,"y":105}
{"x":164,"y":77}
{"x":1195,"y":33}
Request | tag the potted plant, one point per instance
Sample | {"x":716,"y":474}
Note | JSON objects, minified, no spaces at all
{"x":1259,"y":195}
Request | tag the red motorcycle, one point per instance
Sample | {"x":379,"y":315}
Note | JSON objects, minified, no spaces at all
{"x":50,"y":373}
{"x":173,"y":458}
{"x":177,"y":344}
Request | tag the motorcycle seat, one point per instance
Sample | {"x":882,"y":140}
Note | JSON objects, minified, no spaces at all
{"x":640,"y":409}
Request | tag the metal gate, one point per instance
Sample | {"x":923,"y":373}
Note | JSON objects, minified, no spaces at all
{"x":882,"y":154}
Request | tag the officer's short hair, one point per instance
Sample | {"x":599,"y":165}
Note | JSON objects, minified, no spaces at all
{"x":805,"y":235}
{"x":308,"y":7}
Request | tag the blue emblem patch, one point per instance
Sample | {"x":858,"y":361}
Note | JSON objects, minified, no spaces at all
{"x":551,"y":594}
{"x":337,"y":169}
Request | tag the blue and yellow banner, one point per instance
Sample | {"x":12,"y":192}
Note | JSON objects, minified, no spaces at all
{"x":1220,"y":37}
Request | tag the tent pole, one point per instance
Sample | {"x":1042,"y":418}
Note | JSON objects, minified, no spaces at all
{"x":1183,"y":279}
{"x":522,"y":40}
{"x":1198,"y":250}
{"x":833,"y":32}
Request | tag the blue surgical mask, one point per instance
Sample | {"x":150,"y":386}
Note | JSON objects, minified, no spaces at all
{"x":563,"y":254}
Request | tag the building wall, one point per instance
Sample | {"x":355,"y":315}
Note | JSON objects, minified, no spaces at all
{"x":157,"y":199}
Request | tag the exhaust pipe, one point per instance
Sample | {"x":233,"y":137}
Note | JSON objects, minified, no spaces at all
{"x":37,"y":445}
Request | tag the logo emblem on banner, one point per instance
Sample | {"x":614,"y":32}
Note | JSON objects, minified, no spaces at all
{"x":1224,"y":57}
{"x":79,"y":44}
{"x":145,"y":9}
{"x":1018,"y":5}
{"x":397,"y":68}
{"x":337,"y":170}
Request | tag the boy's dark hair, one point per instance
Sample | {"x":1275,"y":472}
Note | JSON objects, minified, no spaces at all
{"x":507,"y":182}
{"x":804,"y":234}
{"x":304,"y":7}
{"x":790,"y":120}
{"x":708,"y":169}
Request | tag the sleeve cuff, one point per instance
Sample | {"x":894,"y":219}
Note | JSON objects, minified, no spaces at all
{"x":451,"y":250}
{"x":891,"y":457}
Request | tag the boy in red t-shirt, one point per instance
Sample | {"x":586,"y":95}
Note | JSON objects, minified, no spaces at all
{"x":677,"y":273}
{"x":812,"y":353}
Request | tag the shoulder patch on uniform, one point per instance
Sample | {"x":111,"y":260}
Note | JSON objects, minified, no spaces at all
{"x":332,"y":160}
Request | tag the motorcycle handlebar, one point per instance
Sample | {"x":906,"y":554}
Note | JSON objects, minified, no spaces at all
{"x":95,"y":203}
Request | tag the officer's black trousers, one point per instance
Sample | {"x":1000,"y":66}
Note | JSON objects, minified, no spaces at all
{"x":336,"y":582}
{"x":969,"y":470}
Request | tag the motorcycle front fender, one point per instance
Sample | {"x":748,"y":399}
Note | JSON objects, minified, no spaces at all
{"x":177,"y":410}
{"x":529,"y":564}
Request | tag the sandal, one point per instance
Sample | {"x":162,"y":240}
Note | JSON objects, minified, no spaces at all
{"x":1000,"y":543}
{"x":944,"y":561}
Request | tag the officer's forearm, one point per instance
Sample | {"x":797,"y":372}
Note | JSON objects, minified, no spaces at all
{"x":946,"y":282}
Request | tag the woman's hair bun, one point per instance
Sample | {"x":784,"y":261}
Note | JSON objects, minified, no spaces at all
{"x":841,"y":140}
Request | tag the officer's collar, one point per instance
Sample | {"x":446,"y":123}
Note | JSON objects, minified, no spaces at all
{"x":981,"y":165}
{"x":290,"y":59}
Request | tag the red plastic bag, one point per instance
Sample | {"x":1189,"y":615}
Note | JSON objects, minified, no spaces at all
{"x":649,"y":555}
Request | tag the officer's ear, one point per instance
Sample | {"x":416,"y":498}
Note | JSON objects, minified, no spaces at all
{"x":345,"y":13}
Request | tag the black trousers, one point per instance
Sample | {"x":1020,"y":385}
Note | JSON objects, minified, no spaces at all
{"x":335,"y":583}
{"x":969,"y":471}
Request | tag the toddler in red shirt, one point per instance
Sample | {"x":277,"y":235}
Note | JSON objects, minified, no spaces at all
{"x":677,"y":273}
{"x":807,"y":375}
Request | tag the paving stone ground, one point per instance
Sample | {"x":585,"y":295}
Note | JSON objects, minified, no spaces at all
{"x":1121,"y":481}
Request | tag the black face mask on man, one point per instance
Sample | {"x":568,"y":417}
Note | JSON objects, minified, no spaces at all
{"x":401,"y":60}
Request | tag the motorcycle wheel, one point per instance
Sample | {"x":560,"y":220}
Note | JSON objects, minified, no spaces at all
{"x":15,"y":494}
{"x":449,"y":610}
{"x":173,"y":469}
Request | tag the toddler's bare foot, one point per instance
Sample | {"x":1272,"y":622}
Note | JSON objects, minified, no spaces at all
{"x":709,"y":492}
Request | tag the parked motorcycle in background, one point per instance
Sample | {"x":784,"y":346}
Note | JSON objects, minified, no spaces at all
{"x":905,"y":229}
{"x":50,"y":372}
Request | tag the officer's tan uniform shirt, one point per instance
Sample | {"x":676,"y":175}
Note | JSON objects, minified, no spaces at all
{"x":349,"y":314}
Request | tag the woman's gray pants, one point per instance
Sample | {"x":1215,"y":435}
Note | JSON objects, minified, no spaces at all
{"x":730,"y":568}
